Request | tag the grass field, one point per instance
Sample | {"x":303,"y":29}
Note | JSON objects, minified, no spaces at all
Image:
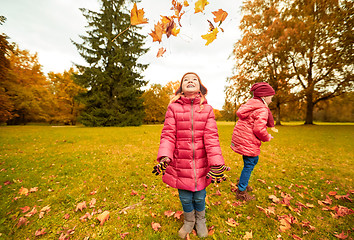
{"x":303,"y":184}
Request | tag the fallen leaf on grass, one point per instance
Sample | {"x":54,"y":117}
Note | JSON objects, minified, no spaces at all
{"x":341,"y":235}
{"x":262,"y":181}
{"x":133,"y":193}
{"x":66,"y":216}
{"x":23,"y":191}
{"x":123,"y":235}
{"x":231,"y":222}
{"x":40,"y":232}
{"x":34,"y":189}
{"x":296,"y":237}
{"x":25,"y":209}
{"x":274,"y":198}
{"x":92,"y":203}
{"x":169,"y":213}
{"x":267,"y":211}
{"x":103,"y":217}
{"x":248,"y":235}
{"x":22,"y":221}
{"x":86,"y":216}
{"x":32,"y":212}
{"x":178,"y":214}
{"x":285,"y":222}
{"x":155,"y":226}
{"x":211,"y":230}
{"x":80,"y":206}
{"x":309,"y":205}
{"x":332,"y":193}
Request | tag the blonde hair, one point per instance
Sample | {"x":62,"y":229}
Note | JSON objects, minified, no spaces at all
{"x":202,"y":91}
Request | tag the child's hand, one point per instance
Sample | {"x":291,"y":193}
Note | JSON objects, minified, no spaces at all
{"x":216,"y":173}
{"x":161,"y":167}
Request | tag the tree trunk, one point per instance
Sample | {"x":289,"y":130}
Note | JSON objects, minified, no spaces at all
{"x":277,"y":114}
{"x":309,"y":109}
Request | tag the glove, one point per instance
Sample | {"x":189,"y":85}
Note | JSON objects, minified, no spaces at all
{"x":161,"y":167}
{"x":216,"y":173}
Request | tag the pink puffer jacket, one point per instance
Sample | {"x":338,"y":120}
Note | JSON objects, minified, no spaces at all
{"x":190,"y":139}
{"x":251,"y":128}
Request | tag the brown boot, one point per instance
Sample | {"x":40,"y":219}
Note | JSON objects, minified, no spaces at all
{"x":244,"y":196}
{"x":248,"y":188}
{"x":189,"y":221}
{"x":200,"y":224}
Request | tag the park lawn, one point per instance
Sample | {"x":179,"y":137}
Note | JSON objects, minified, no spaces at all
{"x":303,"y":184}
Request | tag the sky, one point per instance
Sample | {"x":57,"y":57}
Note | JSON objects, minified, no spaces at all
{"x":47,"y":27}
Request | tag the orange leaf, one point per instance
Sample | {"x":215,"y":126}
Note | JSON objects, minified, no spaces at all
{"x":274,"y":198}
{"x":341,"y":235}
{"x":210,"y":37}
{"x":231,"y":222}
{"x":248,"y":235}
{"x":137,"y":16}
{"x":157,"y":33}
{"x":34,"y":189}
{"x":23,"y":191}
{"x":22,"y":221}
{"x":155,"y":226}
{"x":40,"y":232}
{"x":185,"y":3}
{"x":103,"y":217}
{"x":25,"y":209}
{"x":200,"y":5}
{"x":220,"y":15}
{"x":178,"y":214}
{"x":169,"y":213}
{"x":32,"y":212}
{"x":80,"y":206}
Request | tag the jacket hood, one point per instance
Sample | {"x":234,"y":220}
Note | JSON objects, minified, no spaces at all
{"x":246,"y":109}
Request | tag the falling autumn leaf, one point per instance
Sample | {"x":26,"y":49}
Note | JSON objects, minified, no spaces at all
{"x":210,"y":37}
{"x":220,"y":15}
{"x":185,"y":3}
{"x":155,"y":226}
{"x":200,"y":5}
{"x":157,"y":33}
{"x":103,"y":217}
{"x":137,"y":16}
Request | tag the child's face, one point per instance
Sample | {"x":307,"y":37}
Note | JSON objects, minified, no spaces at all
{"x":268,"y":99}
{"x":190,"y":84}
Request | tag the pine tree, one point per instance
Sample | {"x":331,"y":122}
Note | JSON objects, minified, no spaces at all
{"x":113,"y":78}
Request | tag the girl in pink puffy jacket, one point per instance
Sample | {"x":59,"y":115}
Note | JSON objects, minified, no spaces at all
{"x":250,"y":131}
{"x":189,"y":154}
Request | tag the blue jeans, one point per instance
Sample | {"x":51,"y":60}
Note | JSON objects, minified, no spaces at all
{"x":192,"y":200}
{"x":248,"y":165}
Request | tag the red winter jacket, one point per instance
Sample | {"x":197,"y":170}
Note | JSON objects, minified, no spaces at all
{"x":190,"y":139}
{"x":251,"y":128}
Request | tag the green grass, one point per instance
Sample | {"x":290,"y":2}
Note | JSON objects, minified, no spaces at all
{"x":67,"y":164}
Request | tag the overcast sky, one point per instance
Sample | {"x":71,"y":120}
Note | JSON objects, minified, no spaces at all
{"x":46,"y":27}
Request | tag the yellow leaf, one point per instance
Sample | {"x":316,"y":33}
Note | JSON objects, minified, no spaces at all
{"x":137,"y":16}
{"x":185,"y":3}
{"x":23,"y":191}
{"x":210,"y":37}
{"x":200,"y":5}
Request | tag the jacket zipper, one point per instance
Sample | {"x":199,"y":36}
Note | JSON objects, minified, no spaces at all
{"x":193,"y":147}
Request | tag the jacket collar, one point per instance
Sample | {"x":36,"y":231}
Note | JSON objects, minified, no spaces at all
{"x":185,"y":100}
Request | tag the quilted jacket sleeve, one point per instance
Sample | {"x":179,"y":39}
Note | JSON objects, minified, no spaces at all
{"x":260,"y":125}
{"x":211,"y":141}
{"x":168,"y":135}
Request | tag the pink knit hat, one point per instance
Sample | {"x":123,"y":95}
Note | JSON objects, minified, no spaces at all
{"x":262,"y":89}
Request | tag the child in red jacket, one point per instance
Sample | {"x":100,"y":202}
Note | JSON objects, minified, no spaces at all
{"x":189,"y":154}
{"x":250,"y":131}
